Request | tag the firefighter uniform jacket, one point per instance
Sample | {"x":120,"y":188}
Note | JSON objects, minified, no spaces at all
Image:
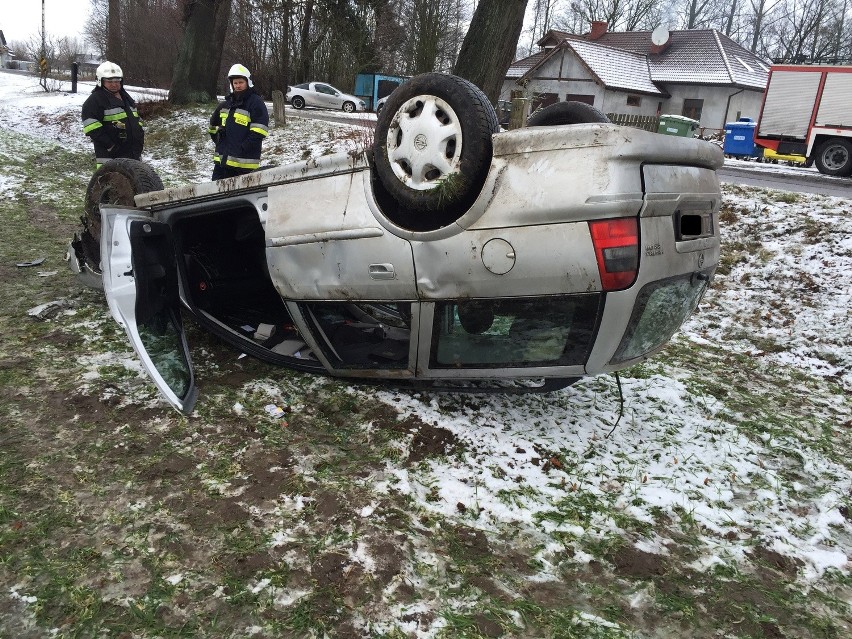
{"x":238,"y":126}
{"x":113,"y":125}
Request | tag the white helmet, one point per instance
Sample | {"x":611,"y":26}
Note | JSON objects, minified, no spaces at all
{"x":108,"y":70}
{"x":240,"y":71}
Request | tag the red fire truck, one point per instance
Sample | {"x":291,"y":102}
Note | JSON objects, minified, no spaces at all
{"x":807,"y":110}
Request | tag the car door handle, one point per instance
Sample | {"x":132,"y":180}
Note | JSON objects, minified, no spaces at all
{"x":382,"y":271}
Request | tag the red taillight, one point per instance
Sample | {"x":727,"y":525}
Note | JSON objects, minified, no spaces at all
{"x":617,"y":251}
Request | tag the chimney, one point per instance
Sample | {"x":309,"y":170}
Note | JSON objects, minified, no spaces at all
{"x":661,"y":39}
{"x":659,"y":48}
{"x":599,"y":28}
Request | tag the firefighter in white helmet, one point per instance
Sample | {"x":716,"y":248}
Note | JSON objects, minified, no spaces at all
{"x":110,"y":118}
{"x":238,"y":127}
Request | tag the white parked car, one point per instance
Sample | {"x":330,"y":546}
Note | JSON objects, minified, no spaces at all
{"x":324,"y":96}
{"x":449,"y":254}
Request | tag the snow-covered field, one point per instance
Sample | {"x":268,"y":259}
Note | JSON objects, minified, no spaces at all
{"x":729,"y":459}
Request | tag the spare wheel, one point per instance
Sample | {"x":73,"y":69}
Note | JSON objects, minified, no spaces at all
{"x":116,"y":182}
{"x":432,"y":150}
{"x":561,"y":113}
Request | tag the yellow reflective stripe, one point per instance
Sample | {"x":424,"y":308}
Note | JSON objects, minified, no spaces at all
{"x":91,"y":125}
{"x":213,"y":129}
{"x":223,"y":117}
{"x":259,"y":128}
{"x":112,"y":117}
{"x":242,"y":118}
{"x":242,"y":163}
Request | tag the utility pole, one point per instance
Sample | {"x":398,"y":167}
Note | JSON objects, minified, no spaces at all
{"x":42,"y":59}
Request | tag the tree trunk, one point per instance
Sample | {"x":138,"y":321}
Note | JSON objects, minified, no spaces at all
{"x":305,"y":53}
{"x":490,"y":43}
{"x":197,"y":67}
{"x":114,"y":51}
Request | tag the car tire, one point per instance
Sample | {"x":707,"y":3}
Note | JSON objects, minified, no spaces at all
{"x":298,"y":102}
{"x":432,"y":150}
{"x":562,"y":113}
{"x":116,"y":182}
{"x":349,"y":107}
{"x":834,"y":157}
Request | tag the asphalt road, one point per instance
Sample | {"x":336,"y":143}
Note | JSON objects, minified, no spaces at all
{"x":363,"y":118}
{"x":800,"y":182}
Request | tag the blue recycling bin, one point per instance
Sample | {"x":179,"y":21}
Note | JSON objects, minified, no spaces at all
{"x":739,"y":139}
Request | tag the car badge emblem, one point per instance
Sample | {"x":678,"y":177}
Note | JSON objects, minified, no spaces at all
{"x":420,"y":142}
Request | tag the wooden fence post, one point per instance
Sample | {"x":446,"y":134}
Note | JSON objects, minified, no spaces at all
{"x":520,"y":110}
{"x":278,"y":108}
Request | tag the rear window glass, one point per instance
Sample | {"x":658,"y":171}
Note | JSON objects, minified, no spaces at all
{"x":661,"y":307}
{"x":546,"y":331}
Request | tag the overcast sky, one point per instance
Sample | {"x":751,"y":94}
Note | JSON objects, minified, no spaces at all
{"x":21,"y":19}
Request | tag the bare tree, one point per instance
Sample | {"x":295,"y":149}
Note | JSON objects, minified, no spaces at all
{"x":390,"y":36}
{"x":197,"y":67}
{"x":490,"y":44}
{"x":620,"y":15}
{"x":114,"y":44}
{"x":798,"y":34}
{"x":259,"y":36}
{"x":427,"y":19}
{"x":699,"y":13}
{"x":95,"y":31}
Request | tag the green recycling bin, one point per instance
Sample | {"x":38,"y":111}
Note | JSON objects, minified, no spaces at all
{"x":677,"y":125}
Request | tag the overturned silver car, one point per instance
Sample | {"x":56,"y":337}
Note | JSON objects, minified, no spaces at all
{"x":448,"y":255}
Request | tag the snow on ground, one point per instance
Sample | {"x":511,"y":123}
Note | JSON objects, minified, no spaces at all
{"x":783,"y":300}
{"x":55,"y":115}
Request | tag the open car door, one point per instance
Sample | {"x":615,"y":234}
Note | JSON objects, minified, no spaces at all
{"x":141,"y":285}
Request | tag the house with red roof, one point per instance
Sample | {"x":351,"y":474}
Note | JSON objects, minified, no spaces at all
{"x":698,"y":73}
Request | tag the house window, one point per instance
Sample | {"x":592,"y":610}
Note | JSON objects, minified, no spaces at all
{"x":692,"y":108}
{"x":541,"y":100}
{"x":577,"y":97}
{"x":634,"y":100}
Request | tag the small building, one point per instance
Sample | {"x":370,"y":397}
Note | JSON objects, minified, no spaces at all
{"x":698,"y":73}
{"x":87,"y":64}
{"x":6,"y":55}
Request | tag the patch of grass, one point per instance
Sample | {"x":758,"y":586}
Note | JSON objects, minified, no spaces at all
{"x":316,"y":613}
{"x":449,"y":188}
{"x":567,"y":622}
{"x":788,"y":197}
